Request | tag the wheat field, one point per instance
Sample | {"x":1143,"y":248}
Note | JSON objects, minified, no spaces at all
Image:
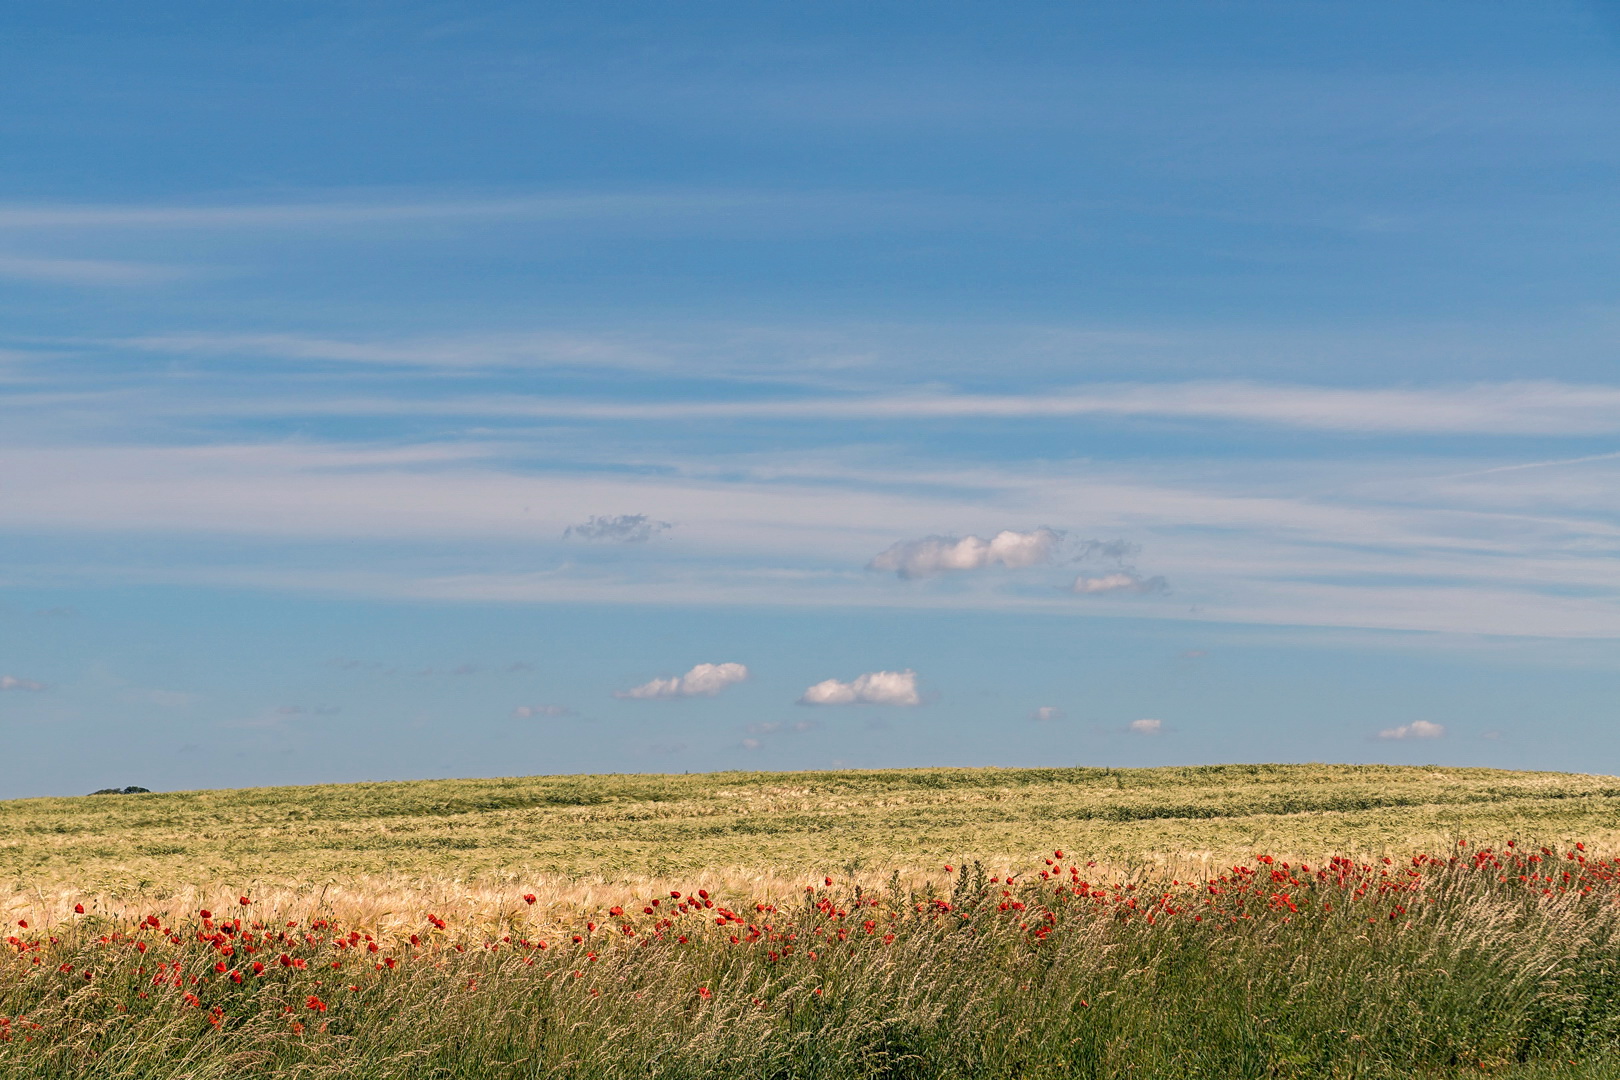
{"x":1311,"y":920}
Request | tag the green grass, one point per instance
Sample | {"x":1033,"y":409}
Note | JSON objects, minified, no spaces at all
{"x":1444,"y":967}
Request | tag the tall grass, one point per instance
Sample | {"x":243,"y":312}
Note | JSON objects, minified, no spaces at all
{"x":1476,"y":962}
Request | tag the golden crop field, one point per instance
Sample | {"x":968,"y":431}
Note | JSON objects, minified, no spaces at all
{"x":641,"y":827}
{"x":1310,"y":920}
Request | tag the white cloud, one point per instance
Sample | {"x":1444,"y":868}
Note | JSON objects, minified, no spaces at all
{"x":873,"y":688}
{"x":528,"y":712}
{"x":1147,"y":726}
{"x":1417,"y":729}
{"x":1046,"y":714}
{"x":704,"y":680}
{"x":11,"y":682}
{"x":1119,"y":581}
{"x":751,"y":744}
{"x":939,"y":554}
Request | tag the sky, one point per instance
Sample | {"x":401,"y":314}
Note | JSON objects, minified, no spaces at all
{"x":416,"y":390}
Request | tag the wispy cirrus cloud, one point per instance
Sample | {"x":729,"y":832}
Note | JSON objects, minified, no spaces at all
{"x":62,"y":216}
{"x":711,"y":209}
{"x":1503,"y":409}
{"x":464,"y":353}
{"x":12,"y":682}
{"x":95,"y":273}
{"x":1518,"y":552}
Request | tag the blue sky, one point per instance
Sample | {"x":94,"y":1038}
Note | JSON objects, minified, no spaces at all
{"x":393,"y":390}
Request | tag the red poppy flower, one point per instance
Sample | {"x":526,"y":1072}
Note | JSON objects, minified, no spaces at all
{"x":314,"y":1003}
{"x":78,"y":909}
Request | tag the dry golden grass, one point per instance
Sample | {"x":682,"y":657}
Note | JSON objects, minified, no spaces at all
{"x":383,"y":851}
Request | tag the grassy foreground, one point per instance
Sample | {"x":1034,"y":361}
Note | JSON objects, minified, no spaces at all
{"x":1226,"y":922}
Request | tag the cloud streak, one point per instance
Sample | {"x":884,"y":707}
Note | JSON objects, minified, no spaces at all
{"x":1118,"y":582}
{"x":85,"y":272}
{"x":1505,"y":408}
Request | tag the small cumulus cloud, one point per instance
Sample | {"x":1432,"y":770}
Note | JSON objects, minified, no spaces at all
{"x":1046,"y":714}
{"x":751,"y":744}
{"x":1417,"y":729}
{"x":942,"y":554}
{"x":1121,"y":581}
{"x":1146,"y":726}
{"x":530,"y":712}
{"x":618,"y":529}
{"x":11,"y":682}
{"x":166,"y":699}
{"x":704,"y":680}
{"x":1116,"y":550}
{"x":872,"y":688}
{"x":773,"y":727}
